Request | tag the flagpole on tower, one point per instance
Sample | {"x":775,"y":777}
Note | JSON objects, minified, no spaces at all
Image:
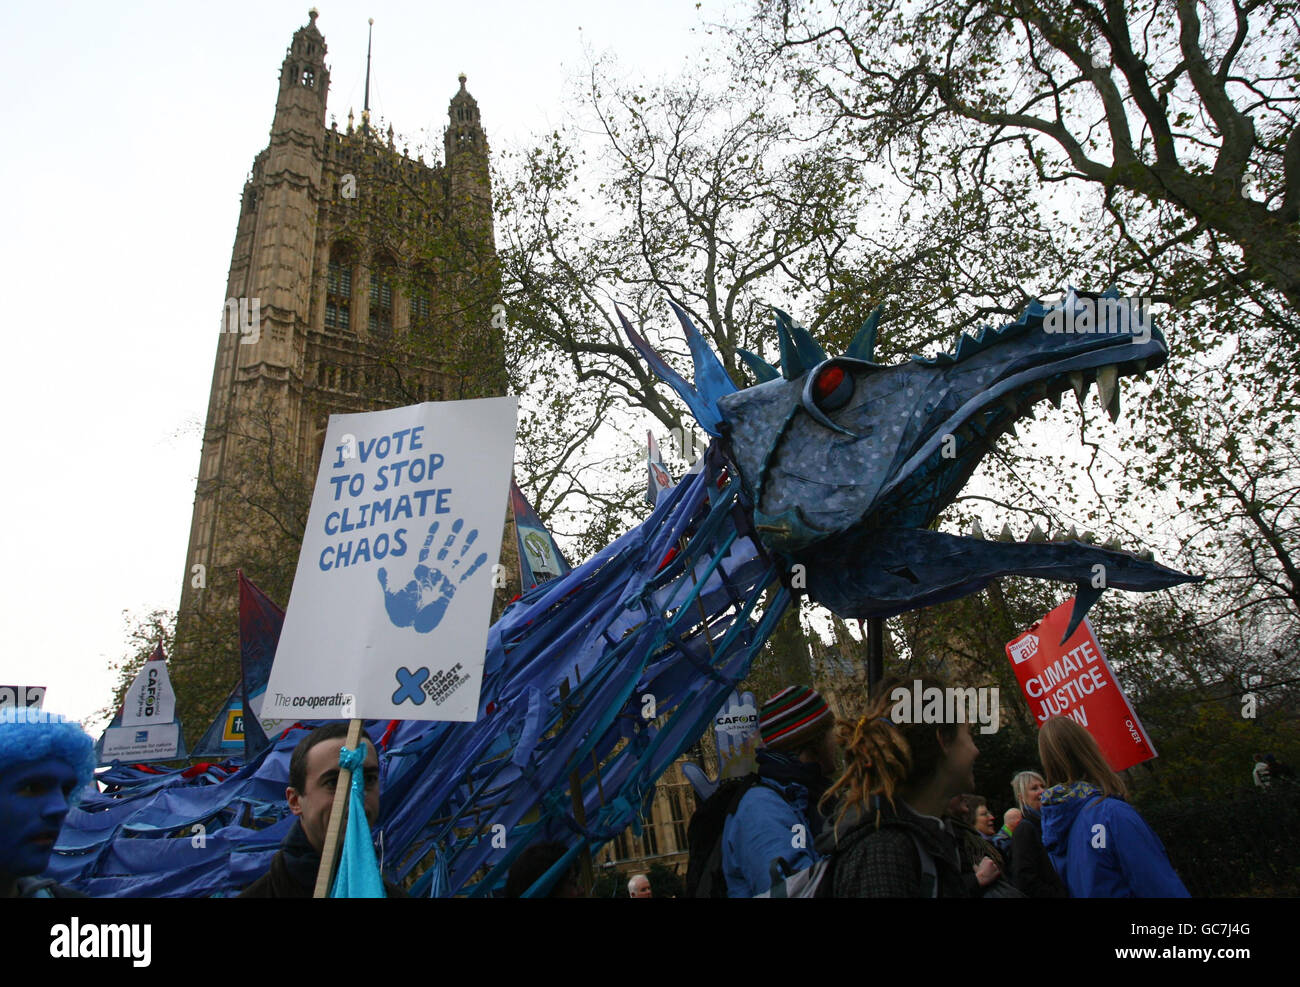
{"x":365,"y":110}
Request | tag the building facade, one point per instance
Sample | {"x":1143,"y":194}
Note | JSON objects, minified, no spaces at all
{"x":361,"y":278}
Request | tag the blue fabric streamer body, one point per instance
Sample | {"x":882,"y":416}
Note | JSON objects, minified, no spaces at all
{"x":358,"y":874}
{"x":594,"y":682}
{"x":675,"y":610}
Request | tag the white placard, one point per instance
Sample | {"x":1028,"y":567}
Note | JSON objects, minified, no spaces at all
{"x":156,"y":742}
{"x":738,"y":736}
{"x":388,"y":617}
{"x":150,"y":700}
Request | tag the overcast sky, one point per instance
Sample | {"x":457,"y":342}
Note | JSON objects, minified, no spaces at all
{"x":129,"y":134}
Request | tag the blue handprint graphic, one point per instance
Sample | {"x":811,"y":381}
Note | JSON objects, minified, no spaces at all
{"x":422,"y":602}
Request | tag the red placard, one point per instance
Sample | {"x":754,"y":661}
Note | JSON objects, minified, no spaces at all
{"x":1074,"y":679}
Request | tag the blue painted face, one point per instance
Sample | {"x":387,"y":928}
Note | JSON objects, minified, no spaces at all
{"x":34,"y":799}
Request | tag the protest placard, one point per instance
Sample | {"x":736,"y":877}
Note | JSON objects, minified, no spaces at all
{"x":388,"y":616}
{"x":1074,"y":679}
{"x":736,"y":726}
{"x":145,"y":727}
{"x":161,"y":742}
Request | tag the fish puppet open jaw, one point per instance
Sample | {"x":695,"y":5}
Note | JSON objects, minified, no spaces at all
{"x":849,"y":462}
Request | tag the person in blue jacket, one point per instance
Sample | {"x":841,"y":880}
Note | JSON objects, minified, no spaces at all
{"x":1099,"y":845}
{"x":778,"y":816}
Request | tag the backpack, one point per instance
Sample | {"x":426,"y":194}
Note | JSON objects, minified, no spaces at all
{"x":704,"y":876}
{"x":818,"y":881}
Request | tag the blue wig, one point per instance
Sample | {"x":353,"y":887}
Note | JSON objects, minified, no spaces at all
{"x":28,"y":734}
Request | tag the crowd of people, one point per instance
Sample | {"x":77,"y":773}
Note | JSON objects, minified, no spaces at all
{"x":898,"y":821}
{"x":895,"y":820}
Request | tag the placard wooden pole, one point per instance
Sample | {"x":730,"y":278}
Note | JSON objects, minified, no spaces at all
{"x":329,"y":857}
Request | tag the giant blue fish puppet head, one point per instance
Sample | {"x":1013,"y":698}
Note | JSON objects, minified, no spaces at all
{"x":848,"y":462}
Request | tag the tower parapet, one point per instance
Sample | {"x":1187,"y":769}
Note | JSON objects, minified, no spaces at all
{"x":466,"y":153}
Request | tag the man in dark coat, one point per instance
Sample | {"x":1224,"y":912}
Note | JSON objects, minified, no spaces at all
{"x":313,"y":777}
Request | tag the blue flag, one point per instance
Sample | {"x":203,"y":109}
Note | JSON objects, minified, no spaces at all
{"x":235,"y":732}
{"x":358,"y":874}
{"x":539,"y":557}
{"x":658,"y":481}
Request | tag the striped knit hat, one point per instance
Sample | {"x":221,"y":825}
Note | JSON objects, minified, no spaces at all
{"x":793,"y":716}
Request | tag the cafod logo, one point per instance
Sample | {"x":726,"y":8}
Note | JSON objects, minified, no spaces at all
{"x":149,"y":698}
{"x":737,"y":719}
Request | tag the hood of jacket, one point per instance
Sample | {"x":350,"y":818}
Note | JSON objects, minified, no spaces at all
{"x":1061,"y":807}
{"x":801,"y":783}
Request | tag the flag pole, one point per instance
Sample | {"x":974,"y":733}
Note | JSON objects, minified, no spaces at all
{"x":329,"y":857}
{"x":875,"y":651}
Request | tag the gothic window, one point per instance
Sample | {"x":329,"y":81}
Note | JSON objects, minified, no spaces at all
{"x":649,"y":838}
{"x":421,"y":304}
{"x":381,"y":298}
{"x":338,"y":289}
{"x":309,"y":78}
{"x":679,"y":817}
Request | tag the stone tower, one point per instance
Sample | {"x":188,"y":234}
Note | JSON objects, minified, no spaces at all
{"x":360,"y":279}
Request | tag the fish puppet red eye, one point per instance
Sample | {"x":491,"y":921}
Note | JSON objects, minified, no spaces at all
{"x":832,"y":388}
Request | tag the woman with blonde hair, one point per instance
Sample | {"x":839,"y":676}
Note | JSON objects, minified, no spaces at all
{"x":1098,"y":843}
{"x":1031,"y":868}
{"x":890,"y":839}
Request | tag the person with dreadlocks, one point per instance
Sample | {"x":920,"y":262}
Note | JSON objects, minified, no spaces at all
{"x":892,"y":841}
{"x":45,"y":762}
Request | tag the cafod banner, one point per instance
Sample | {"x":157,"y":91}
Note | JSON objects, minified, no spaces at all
{"x":388,"y":617}
{"x":156,"y":743}
{"x":150,"y":699}
{"x":736,"y":725}
{"x":1074,"y":679}
{"x":145,"y":726}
